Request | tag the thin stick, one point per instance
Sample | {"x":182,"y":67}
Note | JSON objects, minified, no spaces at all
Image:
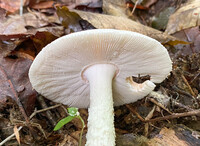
{"x":134,"y":6}
{"x":43,"y":110}
{"x":159,"y":104}
{"x":9,"y":137}
{"x":48,"y":112}
{"x":134,"y":112}
{"x":21,"y":7}
{"x":31,"y":116}
{"x":176,"y":115}
{"x":186,"y":82}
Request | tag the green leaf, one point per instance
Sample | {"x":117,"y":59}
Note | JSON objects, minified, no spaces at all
{"x":62,"y":122}
{"x":72,"y":111}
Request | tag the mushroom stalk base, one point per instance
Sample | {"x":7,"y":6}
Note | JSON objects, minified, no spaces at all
{"x":101,"y":130}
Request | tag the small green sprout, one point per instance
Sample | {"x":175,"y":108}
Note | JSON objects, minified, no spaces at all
{"x":73,"y":113}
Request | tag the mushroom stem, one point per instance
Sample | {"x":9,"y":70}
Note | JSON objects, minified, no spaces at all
{"x":101,"y":130}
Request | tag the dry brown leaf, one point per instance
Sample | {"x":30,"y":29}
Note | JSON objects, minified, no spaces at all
{"x":18,"y":27}
{"x":116,"y":8}
{"x":148,"y":3}
{"x":11,"y":5}
{"x":102,"y":21}
{"x":43,"y":5}
{"x":185,"y":17}
{"x":7,"y":46}
{"x":191,"y":35}
{"x":16,"y":24}
{"x":89,"y":3}
{"x":16,"y":132}
{"x":14,"y":82}
{"x":2,"y":14}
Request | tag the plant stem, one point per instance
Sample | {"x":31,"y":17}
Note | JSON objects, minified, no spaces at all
{"x":83,"y":123}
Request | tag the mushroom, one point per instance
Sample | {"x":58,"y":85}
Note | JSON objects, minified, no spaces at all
{"x":99,"y":62}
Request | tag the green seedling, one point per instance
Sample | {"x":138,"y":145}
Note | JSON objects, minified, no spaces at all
{"x":73,"y":113}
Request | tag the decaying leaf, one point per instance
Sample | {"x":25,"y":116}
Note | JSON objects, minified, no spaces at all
{"x":102,"y":21}
{"x":17,"y":24}
{"x":116,"y":8}
{"x":41,"y":39}
{"x":11,"y":5}
{"x":7,"y":46}
{"x":2,"y":14}
{"x":185,"y":17}
{"x":148,"y":3}
{"x":72,"y":20}
{"x":43,"y":5}
{"x":16,"y":132}
{"x":89,"y":3}
{"x":14,"y":82}
{"x":191,"y":35}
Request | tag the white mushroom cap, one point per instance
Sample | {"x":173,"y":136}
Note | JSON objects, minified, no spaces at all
{"x":56,"y":72}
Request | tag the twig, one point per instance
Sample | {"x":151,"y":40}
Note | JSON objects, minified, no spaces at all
{"x":177,"y":89}
{"x":182,"y":105}
{"x":43,"y":110}
{"x":176,"y":115}
{"x":159,"y":104}
{"x":48,"y":113}
{"x":148,"y":117}
{"x":31,"y":116}
{"x":134,"y":112}
{"x":195,"y":76}
{"x":189,"y":87}
{"x":21,"y":7}
{"x":134,"y":6}
{"x":9,"y":137}
{"x":22,"y":123}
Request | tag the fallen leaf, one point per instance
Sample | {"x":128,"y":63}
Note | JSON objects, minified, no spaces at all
{"x":16,"y":132}
{"x":72,"y":20}
{"x":191,"y":35}
{"x":2,"y":14}
{"x":101,"y":21}
{"x":43,"y":5}
{"x":89,"y":3}
{"x":116,"y":8}
{"x":14,"y":82}
{"x":185,"y":17}
{"x":11,"y":5}
{"x":16,"y":26}
{"x":148,"y":3}
{"x":41,"y":39}
{"x":7,"y":46}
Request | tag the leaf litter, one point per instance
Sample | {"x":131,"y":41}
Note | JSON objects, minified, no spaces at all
{"x":22,"y":38}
